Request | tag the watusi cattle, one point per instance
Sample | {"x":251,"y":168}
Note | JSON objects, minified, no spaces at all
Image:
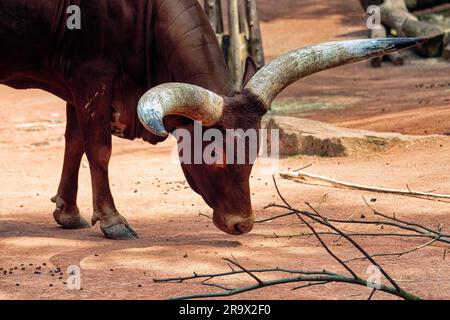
{"x":141,"y":69}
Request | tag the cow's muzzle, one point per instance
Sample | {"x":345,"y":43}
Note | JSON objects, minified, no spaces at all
{"x":234,"y":224}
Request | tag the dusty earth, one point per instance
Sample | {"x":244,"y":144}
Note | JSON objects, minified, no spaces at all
{"x":176,"y":237}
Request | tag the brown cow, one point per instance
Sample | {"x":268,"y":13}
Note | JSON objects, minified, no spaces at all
{"x":123,"y":49}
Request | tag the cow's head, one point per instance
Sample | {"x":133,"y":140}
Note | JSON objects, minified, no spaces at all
{"x":217,"y":174}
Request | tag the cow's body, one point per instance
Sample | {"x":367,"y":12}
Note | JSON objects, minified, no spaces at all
{"x":124,"y":48}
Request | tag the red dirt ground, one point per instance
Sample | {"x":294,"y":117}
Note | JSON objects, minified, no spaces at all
{"x":175,"y":240}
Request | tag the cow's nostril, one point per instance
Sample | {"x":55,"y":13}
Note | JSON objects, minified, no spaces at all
{"x":237,"y":230}
{"x":242,"y":228}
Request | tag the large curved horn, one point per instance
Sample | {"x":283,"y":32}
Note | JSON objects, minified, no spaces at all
{"x":271,"y":80}
{"x":181,"y":99}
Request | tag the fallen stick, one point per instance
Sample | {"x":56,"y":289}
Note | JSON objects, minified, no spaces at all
{"x":303,"y":177}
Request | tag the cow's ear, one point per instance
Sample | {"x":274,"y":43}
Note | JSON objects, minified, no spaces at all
{"x":250,"y":71}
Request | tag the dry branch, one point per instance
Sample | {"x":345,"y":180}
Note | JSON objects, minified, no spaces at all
{"x":398,"y":254}
{"x":314,"y":277}
{"x":317,"y":279}
{"x":312,"y":220}
{"x":418,"y":231}
{"x":307,"y":178}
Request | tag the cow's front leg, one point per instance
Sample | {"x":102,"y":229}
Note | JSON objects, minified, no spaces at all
{"x":67,"y":213}
{"x":95,"y":122}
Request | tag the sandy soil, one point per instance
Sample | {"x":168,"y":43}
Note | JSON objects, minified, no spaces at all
{"x":151,"y":191}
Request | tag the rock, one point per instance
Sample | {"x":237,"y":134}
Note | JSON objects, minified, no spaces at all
{"x":308,"y":137}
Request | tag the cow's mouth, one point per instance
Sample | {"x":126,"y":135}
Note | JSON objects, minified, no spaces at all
{"x":235,"y":225}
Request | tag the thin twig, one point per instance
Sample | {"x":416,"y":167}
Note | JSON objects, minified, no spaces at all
{"x":376,"y":212}
{"x":370,"y":235}
{"x":305,"y":167}
{"x":237,"y":272}
{"x":398,"y":254}
{"x":393,"y":222}
{"x":204,"y":215}
{"x":237,"y":264}
{"x":310,"y":285}
{"x":330,"y":252}
{"x":325,"y":222}
{"x":279,"y":193}
{"x":372,"y":294}
{"x":360,"y":249}
{"x":216,"y":286}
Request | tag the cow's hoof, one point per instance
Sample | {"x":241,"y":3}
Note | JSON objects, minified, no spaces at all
{"x":68,"y":219}
{"x":119,"y":232}
{"x":114,"y":226}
